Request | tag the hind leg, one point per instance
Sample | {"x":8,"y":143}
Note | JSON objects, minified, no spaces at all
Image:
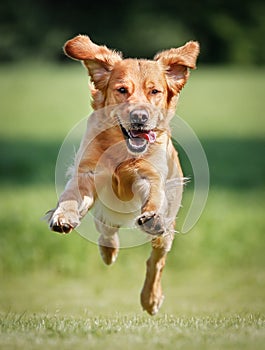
{"x":108,"y":242}
{"x":152,"y":296}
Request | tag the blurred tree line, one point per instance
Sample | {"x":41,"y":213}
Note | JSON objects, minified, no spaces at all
{"x":230,"y":31}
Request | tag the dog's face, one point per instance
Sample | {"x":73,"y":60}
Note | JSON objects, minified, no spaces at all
{"x":138,"y":91}
{"x":142,"y":93}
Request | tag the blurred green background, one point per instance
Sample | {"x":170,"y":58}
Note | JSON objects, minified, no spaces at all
{"x":219,"y":265}
{"x":229,"y":31}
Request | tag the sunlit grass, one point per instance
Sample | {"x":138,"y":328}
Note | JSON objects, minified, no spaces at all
{"x":204,"y":308}
{"x":217,"y":331}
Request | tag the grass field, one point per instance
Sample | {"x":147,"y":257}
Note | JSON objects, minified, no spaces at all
{"x":55,"y":293}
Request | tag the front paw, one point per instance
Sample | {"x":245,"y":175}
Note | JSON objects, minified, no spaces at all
{"x":151,"y":222}
{"x":62,"y":221}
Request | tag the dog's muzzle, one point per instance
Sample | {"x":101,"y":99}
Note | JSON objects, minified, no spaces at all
{"x":138,"y":136}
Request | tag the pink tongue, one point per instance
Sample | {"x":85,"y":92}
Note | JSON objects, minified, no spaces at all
{"x":150,"y":136}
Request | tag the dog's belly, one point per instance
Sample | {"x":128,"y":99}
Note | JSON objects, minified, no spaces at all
{"x":111,"y":211}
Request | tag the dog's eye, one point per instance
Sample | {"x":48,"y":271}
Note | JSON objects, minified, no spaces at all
{"x":122,"y":90}
{"x":154,"y":92}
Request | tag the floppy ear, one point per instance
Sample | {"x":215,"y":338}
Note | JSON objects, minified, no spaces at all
{"x":176,"y":63}
{"x":99,"y":60}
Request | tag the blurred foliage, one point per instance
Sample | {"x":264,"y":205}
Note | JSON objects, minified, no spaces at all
{"x":229,"y":31}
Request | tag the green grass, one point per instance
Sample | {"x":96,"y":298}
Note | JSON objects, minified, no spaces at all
{"x":130,"y":331}
{"x":56,"y":293}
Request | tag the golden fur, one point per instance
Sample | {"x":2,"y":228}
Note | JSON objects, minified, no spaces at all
{"x":126,"y":156}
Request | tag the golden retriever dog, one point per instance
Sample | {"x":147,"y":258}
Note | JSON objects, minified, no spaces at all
{"x":127,"y":168}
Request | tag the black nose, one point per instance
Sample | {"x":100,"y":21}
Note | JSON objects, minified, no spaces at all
{"x":139,"y":116}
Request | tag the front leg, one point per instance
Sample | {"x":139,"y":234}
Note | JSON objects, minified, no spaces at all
{"x":75,"y":201}
{"x":151,"y":219}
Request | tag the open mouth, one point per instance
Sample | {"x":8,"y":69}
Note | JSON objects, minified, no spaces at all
{"x":137,"y":140}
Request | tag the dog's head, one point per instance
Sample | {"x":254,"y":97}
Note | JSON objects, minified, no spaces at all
{"x":143,"y":93}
